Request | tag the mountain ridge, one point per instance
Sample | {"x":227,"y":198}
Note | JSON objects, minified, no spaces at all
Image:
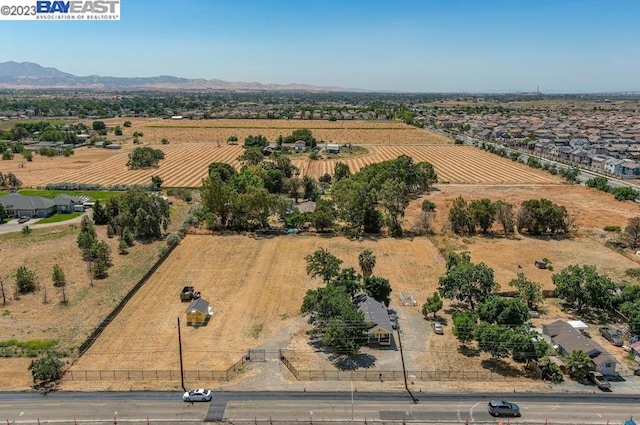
{"x":30,"y":75}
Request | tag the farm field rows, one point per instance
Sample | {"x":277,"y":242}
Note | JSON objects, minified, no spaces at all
{"x":219,"y":130}
{"x":185,"y":165}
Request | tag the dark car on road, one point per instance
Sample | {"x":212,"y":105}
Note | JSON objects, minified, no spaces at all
{"x":503,"y":408}
{"x":612,"y":336}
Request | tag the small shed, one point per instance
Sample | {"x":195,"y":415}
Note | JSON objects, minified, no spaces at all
{"x":333,"y":148}
{"x":578,"y":324}
{"x":197,"y":312}
{"x":541,"y":264}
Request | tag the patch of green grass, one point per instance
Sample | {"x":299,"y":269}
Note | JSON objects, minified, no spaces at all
{"x":4,"y":192}
{"x":57,"y":218}
{"x":96,"y":195}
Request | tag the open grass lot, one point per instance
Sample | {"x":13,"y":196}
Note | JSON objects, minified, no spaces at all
{"x":94,"y":195}
{"x":256,"y":288}
{"x":29,"y":317}
{"x":219,"y":130}
{"x":185,"y":165}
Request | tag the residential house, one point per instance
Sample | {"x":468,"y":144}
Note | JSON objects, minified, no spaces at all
{"x":581,"y":156}
{"x":613,"y":166}
{"x":379,"y":329}
{"x":597,"y":162}
{"x":568,"y":339}
{"x":630,"y":168}
{"x":65,"y":203}
{"x":300,"y":146}
{"x":18,"y":205}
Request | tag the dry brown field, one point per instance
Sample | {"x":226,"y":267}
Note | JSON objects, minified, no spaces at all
{"x":186,"y":164}
{"x":219,"y":130}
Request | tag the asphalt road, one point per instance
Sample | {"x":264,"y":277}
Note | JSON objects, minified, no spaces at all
{"x":279,"y":407}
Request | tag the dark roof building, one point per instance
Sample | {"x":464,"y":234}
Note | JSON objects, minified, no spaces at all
{"x":376,"y":316}
{"x":18,"y":205}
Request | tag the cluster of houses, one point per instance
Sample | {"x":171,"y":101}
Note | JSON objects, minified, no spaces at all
{"x":18,"y":206}
{"x":607,"y":141}
{"x":300,"y":147}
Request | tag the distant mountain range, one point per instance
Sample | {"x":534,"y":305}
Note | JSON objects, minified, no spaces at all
{"x":28,"y":75}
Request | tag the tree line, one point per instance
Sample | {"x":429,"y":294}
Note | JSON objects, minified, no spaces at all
{"x":535,"y":216}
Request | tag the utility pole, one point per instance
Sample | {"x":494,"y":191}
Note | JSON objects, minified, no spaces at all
{"x":4,"y":299}
{"x":180,"y":348}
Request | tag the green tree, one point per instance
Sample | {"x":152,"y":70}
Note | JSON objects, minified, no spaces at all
{"x":99,"y":214}
{"x":599,"y":182}
{"x":433,"y":305}
{"x":46,"y":369}
{"x":464,"y":326}
{"x":156,"y":183}
{"x":344,"y":338}
{"x":505,"y":216}
{"x":258,"y":141}
{"x":127,"y":124}
{"x":164,"y":141}
{"x":251,"y":156}
{"x":123,"y":248}
{"x":583,"y":288}
{"x":460,"y":218}
{"x":144,"y":157}
{"x":528,"y":291}
{"x":341,"y":171}
{"x":350,"y":280}
{"x":324,"y":264}
{"x":527,"y":345}
{"x":394,"y":199}
{"x":145,"y":214}
{"x":225,"y":171}
{"x":539,"y":216}
{"x":26,"y":280}
{"x":467,"y":282}
{"x":26,"y":230}
{"x":550,"y":371}
{"x":493,"y":339}
{"x":324,"y":215}
{"x":58,"y":277}
{"x":624,"y":193}
{"x":310,"y":188}
{"x":232,"y":140}
{"x":117,"y":131}
{"x":483,"y":213}
{"x":293,"y":186}
{"x":579,"y":365}
{"x":503,"y":311}
{"x":378,"y":288}
{"x":218,"y":197}
{"x":99,"y":125}
{"x":366,"y":261}
{"x":428,"y":206}
{"x":352,"y":199}
{"x":127,"y":236}
{"x":27,"y":155}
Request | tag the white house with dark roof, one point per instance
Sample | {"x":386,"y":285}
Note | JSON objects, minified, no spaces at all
{"x":379,"y":330}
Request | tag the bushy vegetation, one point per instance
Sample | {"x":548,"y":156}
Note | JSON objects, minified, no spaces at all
{"x":143,"y":157}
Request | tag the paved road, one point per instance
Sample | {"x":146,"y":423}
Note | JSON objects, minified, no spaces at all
{"x":280,"y":407}
{"x":14,"y":226}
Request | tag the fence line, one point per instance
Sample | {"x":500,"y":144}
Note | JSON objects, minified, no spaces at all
{"x":103,"y":325}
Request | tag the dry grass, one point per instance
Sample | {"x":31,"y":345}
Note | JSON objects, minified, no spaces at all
{"x":219,"y":130}
{"x":186,"y":164}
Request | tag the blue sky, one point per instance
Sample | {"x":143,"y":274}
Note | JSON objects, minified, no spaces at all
{"x":420,"y":46}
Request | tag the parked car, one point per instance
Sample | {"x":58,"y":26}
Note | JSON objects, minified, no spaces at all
{"x":199,"y":394}
{"x":503,"y":408}
{"x":437,"y":328}
{"x":612,"y":336}
{"x":394,"y":320}
{"x":23,"y":219}
{"x":600,"y":381}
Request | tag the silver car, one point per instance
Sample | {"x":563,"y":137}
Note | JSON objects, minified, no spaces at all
{"x":199,"y":394}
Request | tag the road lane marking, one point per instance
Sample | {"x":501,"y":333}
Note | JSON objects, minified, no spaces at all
{"x":471,"y":411}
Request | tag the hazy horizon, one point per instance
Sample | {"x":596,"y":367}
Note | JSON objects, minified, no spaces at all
{"x":409,"y":46}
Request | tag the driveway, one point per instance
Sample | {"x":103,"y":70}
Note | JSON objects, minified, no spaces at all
{"x":13,"y":225}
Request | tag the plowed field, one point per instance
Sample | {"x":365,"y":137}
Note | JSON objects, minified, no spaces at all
{"x":219,"y":130}
{"x":185,"y":165}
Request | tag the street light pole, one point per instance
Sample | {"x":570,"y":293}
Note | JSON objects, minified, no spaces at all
{"x":180,"y":347}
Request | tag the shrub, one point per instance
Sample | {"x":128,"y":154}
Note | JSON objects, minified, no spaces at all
{"x":611,"y":228}
{"x":173,"y":239}
{"x":635,"y":272}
